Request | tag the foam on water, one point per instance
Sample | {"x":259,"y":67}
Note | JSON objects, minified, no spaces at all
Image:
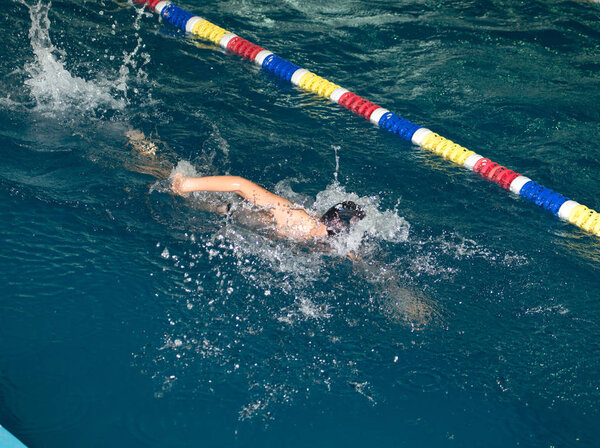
{"x":186,"y":168}
{"x":385,"y":225}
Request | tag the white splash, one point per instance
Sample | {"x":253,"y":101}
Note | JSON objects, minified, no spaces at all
{"x":186,"y":168}
{"x":51,"y":85}
{"x":131,"y":63}
{"x":385,"y":225}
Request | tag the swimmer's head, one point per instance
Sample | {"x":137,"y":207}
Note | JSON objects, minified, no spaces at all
{"x":341,"y":216}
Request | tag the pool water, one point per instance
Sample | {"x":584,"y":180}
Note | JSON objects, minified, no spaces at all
{"x":130,"y":317}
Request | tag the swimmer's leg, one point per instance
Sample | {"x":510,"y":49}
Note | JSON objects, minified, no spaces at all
{"x":156,"y":163}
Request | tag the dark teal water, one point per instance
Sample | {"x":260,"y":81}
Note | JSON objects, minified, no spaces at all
{"x":130,"y":318}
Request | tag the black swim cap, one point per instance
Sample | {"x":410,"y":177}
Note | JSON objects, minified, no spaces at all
{"x":339,"y":217}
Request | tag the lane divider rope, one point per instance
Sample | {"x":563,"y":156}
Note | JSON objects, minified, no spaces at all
{"x":561,"y":206}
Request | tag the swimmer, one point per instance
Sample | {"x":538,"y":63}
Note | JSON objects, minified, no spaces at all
{"x":290,"y":220}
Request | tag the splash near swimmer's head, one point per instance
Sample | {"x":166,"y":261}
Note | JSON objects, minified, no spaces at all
{"x":341,"y":217}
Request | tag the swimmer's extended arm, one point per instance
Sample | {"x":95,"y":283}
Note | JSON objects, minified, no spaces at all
{"x":235,"y":184}
{"x":290,"y":218}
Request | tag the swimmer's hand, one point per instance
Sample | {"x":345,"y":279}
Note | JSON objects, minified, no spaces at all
{"x":178,"y":184}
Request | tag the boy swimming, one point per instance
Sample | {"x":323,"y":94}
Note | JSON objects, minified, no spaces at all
{"x":290,"y":220}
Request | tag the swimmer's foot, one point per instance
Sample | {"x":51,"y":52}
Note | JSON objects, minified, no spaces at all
{"x":141,"y":144}
{"x":151,"y":160}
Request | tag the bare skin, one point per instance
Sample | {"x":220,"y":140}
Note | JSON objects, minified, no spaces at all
{"x":290,"y":219}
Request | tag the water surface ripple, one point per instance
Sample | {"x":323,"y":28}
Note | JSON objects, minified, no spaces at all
{"x":132,"y":318}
